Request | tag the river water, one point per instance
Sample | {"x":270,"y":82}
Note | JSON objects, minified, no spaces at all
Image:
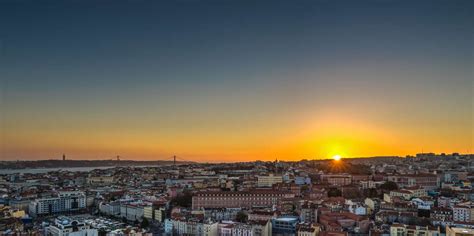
{"x":71,"y":169}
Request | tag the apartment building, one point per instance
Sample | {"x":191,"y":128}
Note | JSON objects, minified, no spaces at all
{"x":64,"y":226}
{"x":308,"y":229}
{"x":190,"y":227}
{"x":245,"y":199}
{"x":459,"y":231}
{"x":65,"y":201}
{"x":464,"y":212}
{"x":268,"y":180}
{"x":426,"y":181}
{"x":337,"y":179}
{"x":100,"y":180}
{"x":132,"y":211}
{"x":413,"y":230}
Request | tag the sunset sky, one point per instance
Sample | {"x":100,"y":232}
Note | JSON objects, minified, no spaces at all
{"x":235,"y":80}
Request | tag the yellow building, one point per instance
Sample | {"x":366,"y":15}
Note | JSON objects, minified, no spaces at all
{"x":160,"y":214}
{"x":268,"y":180}
{"x":413,"y":230}
{"x":18,"y":214}
{"x":7,"y":210}
{"x":100,"y":180}
{"x":458,"y":231}
{"x":308,"y":230}
{"x":148,"y":212}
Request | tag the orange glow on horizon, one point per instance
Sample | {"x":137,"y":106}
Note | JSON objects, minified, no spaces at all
{"x":302,"y":138}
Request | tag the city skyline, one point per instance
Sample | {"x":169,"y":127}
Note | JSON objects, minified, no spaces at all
{"x":235,"y":80}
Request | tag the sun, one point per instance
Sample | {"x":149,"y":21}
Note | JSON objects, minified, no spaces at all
{"x":336,"y":157}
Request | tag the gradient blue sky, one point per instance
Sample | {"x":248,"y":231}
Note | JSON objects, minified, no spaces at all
{"x":220,"y":80}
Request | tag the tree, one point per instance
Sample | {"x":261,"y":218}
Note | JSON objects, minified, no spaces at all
{"x":184,"y":199}
{"x":145,"y":223}
{"x":102,"y":232}
{"x":334,"y":192}
{"x":446,"y":192}
{"x":370,"y":193}
{"x":344,"y":167}
{"x":423,"y":221}
{"x":389,"y":186}
{"x":351,"y":194}
{"x":241,"y":217}
{"x":304,"y":188}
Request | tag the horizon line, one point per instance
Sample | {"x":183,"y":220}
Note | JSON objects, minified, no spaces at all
{"x":285,"y":160}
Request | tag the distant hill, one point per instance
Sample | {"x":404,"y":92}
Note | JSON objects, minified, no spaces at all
{"x":79,"y":163}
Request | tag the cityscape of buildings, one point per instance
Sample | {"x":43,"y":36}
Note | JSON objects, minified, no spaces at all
{"x":236,"y":117}
{"x":422,"y":195}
